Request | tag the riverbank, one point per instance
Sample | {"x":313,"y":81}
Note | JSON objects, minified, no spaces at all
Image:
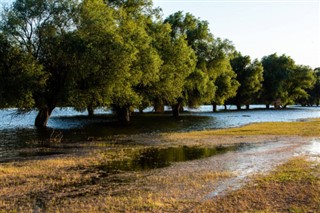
{"x":86,"y":183}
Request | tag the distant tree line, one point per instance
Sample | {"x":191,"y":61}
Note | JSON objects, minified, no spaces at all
{"x":123,"y":55}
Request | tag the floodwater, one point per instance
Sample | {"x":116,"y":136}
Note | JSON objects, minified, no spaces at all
{"x":17,"y":132}
{"x":152,"y":158}
{"x":262,"y":158}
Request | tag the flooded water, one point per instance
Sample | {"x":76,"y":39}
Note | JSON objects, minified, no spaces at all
{"x":17,"y":131}
{"x":153,"y":158}
{"x":262,"y":158}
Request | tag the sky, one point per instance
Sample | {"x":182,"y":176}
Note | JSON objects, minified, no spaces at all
{"x":260,"y":27}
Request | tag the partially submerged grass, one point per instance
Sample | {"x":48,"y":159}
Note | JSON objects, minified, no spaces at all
{"x":292,"y":187}
{"x":77,"y":184}
{"x":309,"y":128}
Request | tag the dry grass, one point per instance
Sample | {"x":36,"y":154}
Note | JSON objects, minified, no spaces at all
{"x":292,"y":187}
{"x":79,"y":185}
{"x":76,"y":185}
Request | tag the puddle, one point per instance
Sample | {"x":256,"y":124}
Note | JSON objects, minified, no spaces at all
{"x":312,"y":150}
{"x":153,"y":158}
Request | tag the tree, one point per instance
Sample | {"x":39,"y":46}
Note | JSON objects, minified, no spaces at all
{"x":221,"y":72}
{"x":197,"y":87}
{"x":284,"y":81}
{"x":103,"y":57}
{"x":33,"y":27}
{"x":133,"y":21}
{"x":178,"y":62}
{"x":300,"y":79}
{"x":250,"y":77}
{"x":314,"y":93}
{"x":20,"y":77}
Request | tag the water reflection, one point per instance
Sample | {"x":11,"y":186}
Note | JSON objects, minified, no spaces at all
{"x":153,"y":158}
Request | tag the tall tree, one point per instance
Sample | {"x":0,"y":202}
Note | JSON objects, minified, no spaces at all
{"x":276,"y":69}
{"x":250,"y":77}
{"x":178,"y":62}
{"x":20,"y":77}
{"x":284,"y":81}
{"x":300,"y":79}
{"x":133,"y":19}
{"x":103,"y":57}
{"x":221,"y":72}
{"x":315,"y":91}
{"x":33,"y":26}
{"x":197,"y":88}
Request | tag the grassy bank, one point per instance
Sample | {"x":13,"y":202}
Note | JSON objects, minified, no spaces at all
{"x":308,"y":128}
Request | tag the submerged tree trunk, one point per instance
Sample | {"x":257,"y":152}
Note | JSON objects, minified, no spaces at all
{"x":43,"y":116}
{"x":247,"y":106}
{"x":123,"y":114}
{"x":176,"y":109}
{"x":90,"y":111}
{"x":214,"y":107}
{"x":225,"y":107}
{"x":238,"y":107}
{"x":267,"y":106}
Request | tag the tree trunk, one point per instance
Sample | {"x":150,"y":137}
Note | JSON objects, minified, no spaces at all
{"x":43,"y":116}
{"x":247,"y":106}
{"x":267,"y":106}
{"x":176,"y":109}
{"x":90,"y":111}
{"x":158,"y":107}
{"x":214,"y":107}
{"x":225,"y":107}
{"x":238,"y":107}
{"x":123,"y":114}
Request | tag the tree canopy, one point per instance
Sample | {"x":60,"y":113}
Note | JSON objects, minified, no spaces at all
{"x":123,"y":55}
{"x":250,"y":77}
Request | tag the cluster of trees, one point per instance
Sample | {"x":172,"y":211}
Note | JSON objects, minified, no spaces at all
{"x":122,"y":54}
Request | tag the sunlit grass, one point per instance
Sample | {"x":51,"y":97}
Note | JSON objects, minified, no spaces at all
{"x":76,"y":183}
{"x":309,"y":128}
{"x":292,"y":187}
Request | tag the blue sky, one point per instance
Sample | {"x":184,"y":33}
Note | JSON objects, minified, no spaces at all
{"x":261,"y":27}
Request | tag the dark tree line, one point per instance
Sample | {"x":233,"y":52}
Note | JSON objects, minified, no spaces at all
{"x":123,"y":55}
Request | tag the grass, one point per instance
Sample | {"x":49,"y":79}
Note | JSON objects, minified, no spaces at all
{"x":74,"y":185}
{"x":292,"y":187}
{"x":310,"y":128}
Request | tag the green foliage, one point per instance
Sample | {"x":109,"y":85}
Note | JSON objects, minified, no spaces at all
{"x":178,"y":62}
{"x":221,"y":72}
{"x":315,"y":91}
{"x":197,"y":87}
{"x":39,"y":29}
{"x":134,"y":19}
{"x":20,"y":77}
{"x":284,"y":81}
{"x":103,"y":58}
{"x":250,"y":77}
